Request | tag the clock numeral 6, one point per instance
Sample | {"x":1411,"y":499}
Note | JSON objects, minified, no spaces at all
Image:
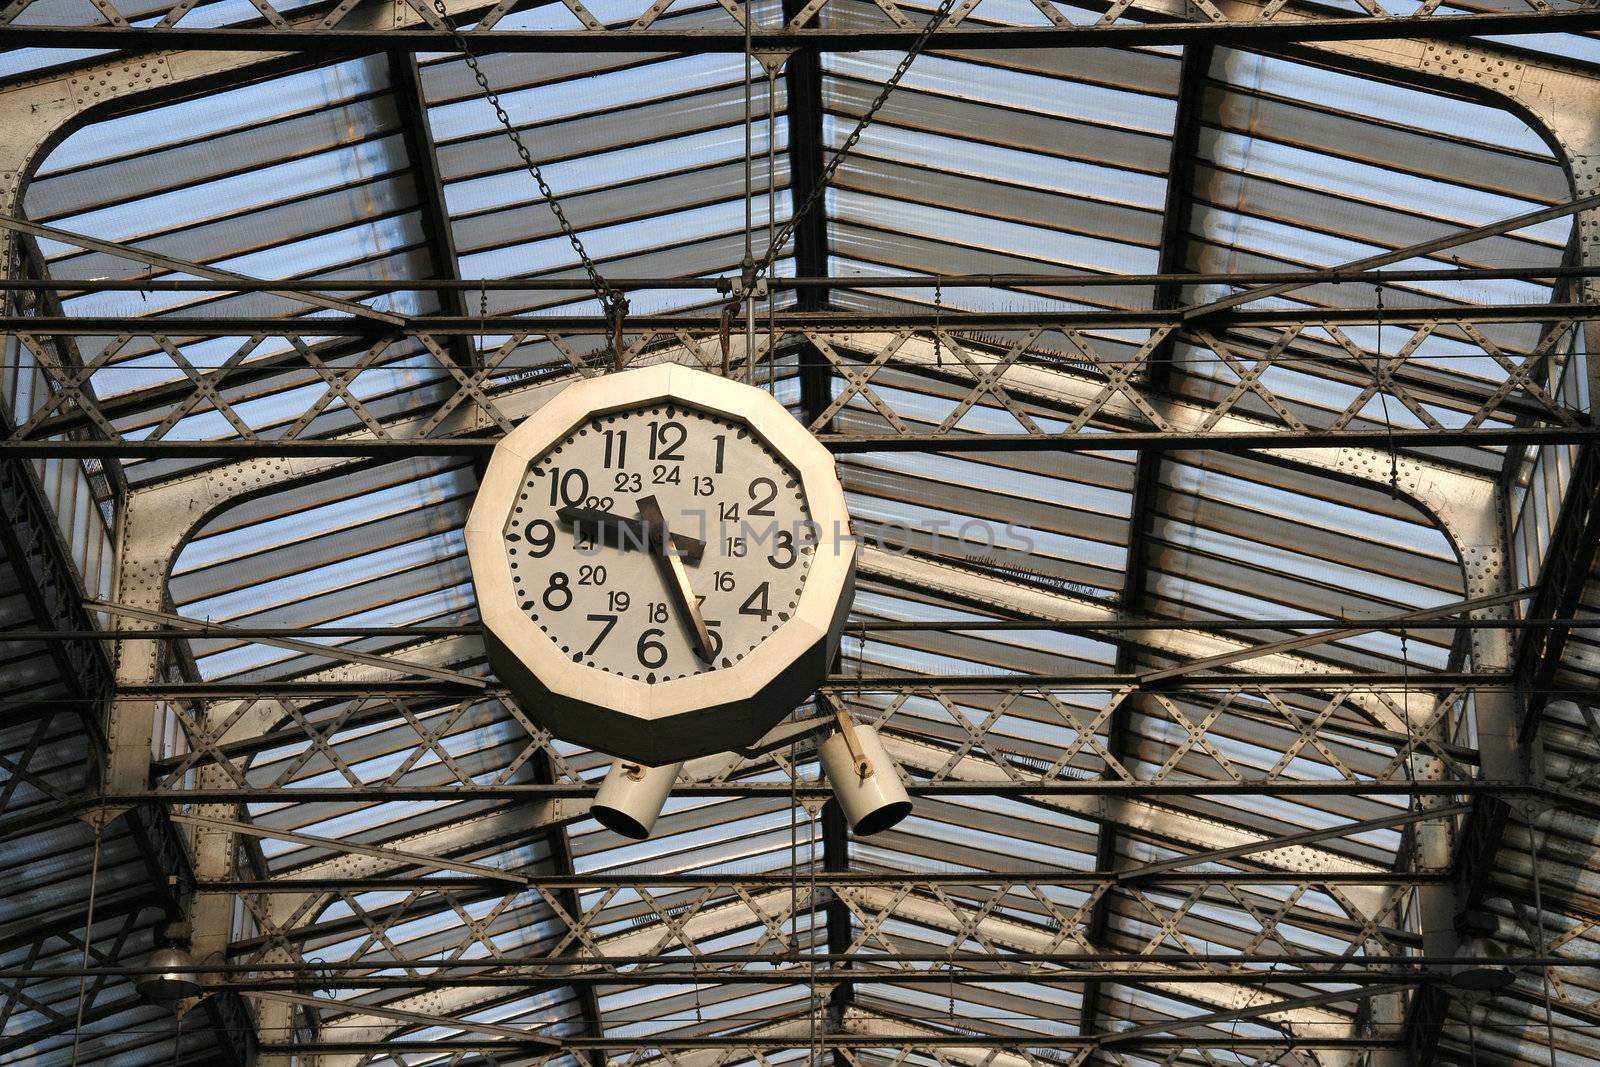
{"x":651,"y":652}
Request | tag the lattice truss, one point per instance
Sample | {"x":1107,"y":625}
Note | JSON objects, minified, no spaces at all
{"x":1104,"y":387}
{"x":638,"y":18}
{"x":1137,"y":841}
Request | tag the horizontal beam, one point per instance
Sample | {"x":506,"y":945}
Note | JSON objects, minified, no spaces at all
{"x":847,"y":684}
{"x":290,"y":883}
{"x":883,"y":626}
{"x":1087,"y":787}
{"x":709,"y":962}
{"x":831,"y":1040}
{"x":1340,"y":970}
{"x":837,"y":321}
{"x":316,"y":286}
{"x":840,"y":444}
{"x":1243,"y":34}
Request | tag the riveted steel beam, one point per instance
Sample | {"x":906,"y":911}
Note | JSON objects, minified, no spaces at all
{"x":343,"y":43}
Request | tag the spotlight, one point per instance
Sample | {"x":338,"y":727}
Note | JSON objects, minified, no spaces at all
{"x":1487,"y":972}
{"x":166,"y":983}
{"x":632,"y":796}
{"x":864,"y":778}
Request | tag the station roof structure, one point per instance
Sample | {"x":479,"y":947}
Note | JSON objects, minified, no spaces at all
{"x":1211,"y":383}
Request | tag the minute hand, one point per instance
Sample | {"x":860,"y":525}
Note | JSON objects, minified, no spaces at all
{"x":678,"y":580}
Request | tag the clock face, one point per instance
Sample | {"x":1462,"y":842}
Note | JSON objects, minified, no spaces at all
{"x":637,"y":520}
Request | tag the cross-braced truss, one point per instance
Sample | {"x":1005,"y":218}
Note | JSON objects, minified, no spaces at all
{"x":1209,"y":749}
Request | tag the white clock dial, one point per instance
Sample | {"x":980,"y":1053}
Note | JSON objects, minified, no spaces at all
{"x":586,"y":560}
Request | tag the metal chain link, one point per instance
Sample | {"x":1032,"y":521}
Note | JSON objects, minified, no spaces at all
{"x":917,"y":45}
{"x":608,"y":296}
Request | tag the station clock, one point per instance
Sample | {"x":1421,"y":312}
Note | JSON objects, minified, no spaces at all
{"x":663,"y":563}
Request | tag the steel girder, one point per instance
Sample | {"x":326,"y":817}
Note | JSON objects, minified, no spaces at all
{"x":1093,"y":390}
{"x":1167,"y":25}
{"x":151,"y":546}
{"x":303,"y":468}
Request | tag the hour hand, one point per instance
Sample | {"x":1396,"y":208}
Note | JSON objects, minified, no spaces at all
{"x":620,"y":531}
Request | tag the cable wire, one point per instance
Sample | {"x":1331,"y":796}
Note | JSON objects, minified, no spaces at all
{"x":826,"y":178}
{"x":616,"y":304}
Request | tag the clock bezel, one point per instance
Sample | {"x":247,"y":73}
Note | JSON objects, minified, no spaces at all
{"x":824,"y":597}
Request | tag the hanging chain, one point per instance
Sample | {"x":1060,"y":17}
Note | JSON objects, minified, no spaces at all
{"x":615,"y":303}
{"x":748,"y":281}
{"x":938,"y":307}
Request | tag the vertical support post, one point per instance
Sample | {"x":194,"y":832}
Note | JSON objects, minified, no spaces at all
{"x":1178,"y":212}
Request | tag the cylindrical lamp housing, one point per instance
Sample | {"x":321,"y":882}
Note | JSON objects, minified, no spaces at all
{"x":166,"y":984}
{"x":632,"y":796}
{"x":871,"y":803}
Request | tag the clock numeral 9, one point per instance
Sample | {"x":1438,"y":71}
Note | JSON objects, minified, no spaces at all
{"x":651,"y":652}
{"x":557,"y":595}
{"x":541,"y":538}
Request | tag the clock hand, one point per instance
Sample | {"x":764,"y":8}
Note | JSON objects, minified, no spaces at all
{"x":678,"y":581}
{"x":622,"y":532}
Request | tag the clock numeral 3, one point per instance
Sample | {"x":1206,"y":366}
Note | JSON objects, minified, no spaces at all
{"x":782,"y":545}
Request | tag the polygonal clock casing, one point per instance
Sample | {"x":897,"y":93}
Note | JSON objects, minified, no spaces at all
{"x":684,"y":717}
